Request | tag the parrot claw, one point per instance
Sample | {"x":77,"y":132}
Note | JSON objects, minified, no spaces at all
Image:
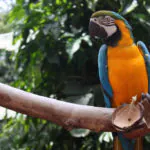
{"x":145,"y":96}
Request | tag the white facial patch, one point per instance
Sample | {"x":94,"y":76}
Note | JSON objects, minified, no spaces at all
{"x":109,"y":29}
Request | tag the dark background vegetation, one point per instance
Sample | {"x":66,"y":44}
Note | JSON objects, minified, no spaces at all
{"x":58,"y":59}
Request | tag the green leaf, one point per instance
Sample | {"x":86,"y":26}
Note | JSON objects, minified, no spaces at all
{"x":106,"y":136}
{"x":83,"y":99}
{"x":74,"y":46}
{"x":129,"y":7}
{"x":78,"y":133}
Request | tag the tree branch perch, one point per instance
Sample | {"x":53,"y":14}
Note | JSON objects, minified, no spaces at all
{"x":62,"y":113}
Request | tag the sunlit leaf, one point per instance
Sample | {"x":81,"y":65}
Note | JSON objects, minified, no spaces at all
{"x":75,"y":45}
{"x":106,"y":136}
{"x":78,"y":133}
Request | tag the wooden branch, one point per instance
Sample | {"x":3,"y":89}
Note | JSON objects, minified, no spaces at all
{"x":62,"y":113}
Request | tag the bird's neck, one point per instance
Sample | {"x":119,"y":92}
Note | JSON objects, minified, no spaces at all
{"x":123,"y":36}
{"x":126,"y":34}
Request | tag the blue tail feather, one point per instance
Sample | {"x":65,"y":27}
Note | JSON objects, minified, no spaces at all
{"x":127,"y":144}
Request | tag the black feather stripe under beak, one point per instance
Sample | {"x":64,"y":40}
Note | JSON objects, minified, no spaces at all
{"x":95,"y":30}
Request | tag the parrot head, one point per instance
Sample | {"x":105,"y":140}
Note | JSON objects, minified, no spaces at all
{"x":109,"y":26}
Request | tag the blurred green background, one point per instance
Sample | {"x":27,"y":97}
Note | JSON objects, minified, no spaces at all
{"x":57,"y":58}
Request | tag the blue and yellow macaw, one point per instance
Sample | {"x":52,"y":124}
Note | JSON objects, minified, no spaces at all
{"x":124,"y":67}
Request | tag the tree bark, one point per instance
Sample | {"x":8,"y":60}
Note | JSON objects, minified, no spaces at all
{"x":65,"y":114}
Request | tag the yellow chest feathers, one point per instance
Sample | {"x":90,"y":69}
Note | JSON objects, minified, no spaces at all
{"x":127,"y":74}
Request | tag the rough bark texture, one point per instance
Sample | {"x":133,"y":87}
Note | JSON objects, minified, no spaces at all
{"x":62,"y":113}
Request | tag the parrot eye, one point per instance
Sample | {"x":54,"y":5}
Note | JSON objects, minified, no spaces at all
{"x":107,"y":18}
{"x":108,"y":21}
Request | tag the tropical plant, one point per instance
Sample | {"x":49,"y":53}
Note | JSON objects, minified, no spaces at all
{"x":57,"y":58}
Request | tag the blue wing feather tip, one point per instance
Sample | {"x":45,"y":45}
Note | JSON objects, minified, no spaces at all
{"x":127,"y":144}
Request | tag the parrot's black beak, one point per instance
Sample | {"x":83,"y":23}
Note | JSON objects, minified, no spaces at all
{"x":95,"y":30}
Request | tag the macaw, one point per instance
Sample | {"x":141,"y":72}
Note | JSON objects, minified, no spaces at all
{"x":123,"y":65}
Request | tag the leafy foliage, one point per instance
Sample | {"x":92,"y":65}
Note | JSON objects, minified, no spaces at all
{"x":57,"y":58}
{"x":4,"y":25}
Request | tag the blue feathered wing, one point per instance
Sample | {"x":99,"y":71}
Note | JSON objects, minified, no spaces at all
{"x":103,"y":75}
{"x":142,"y":47}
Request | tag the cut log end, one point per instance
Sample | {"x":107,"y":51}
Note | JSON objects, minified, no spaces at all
{"x":127,"y":117}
